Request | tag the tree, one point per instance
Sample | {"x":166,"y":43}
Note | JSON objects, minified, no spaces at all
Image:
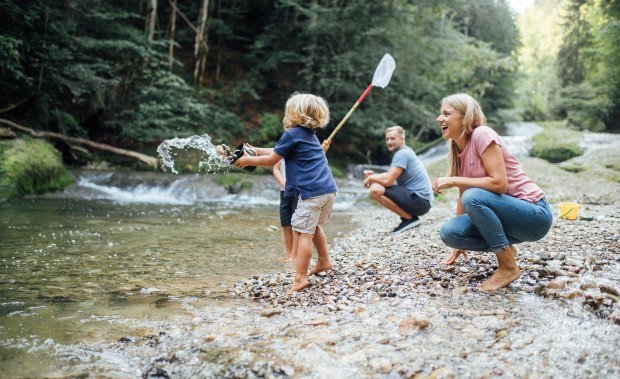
{"x":201,"y":46}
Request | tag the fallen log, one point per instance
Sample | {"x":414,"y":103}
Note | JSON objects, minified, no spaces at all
{"x":146,"y":159}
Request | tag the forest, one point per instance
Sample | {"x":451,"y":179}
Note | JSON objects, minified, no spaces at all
{"x":134,"y":73}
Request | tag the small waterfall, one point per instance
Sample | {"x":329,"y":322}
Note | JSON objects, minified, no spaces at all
{"x":186,"y":189}
{"x":519,"y":137}
{"x":434,"y":154}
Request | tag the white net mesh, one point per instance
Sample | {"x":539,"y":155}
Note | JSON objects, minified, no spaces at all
{"x":384,"y":71}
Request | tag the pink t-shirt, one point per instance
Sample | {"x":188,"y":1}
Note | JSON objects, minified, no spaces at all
{"x":519,"y":185}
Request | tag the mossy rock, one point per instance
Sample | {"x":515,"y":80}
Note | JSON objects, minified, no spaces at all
{"x":234,"y":183}
{"x":555,"y":154}
{"x":31,"y":167}
{"x":556,"y":143}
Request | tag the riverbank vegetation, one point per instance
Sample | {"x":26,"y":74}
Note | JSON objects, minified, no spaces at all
{"x":131,"y":74}
{"x":569,"y":63}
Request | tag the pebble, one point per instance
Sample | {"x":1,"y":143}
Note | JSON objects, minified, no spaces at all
{"x":372,"y":265}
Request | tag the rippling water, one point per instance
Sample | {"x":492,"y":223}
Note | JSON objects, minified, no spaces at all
{"x":91,"y":270}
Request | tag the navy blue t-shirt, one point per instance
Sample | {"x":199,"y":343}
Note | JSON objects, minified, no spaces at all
{"x":307,"y":171}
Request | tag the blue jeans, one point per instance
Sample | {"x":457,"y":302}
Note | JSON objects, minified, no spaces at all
{"x":494,"y":222}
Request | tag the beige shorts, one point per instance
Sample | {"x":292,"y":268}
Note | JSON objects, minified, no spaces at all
{"x":312,"y":212}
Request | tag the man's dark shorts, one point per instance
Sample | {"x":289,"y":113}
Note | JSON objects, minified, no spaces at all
{"x":408,"y":201}
{"x":287,"y":208}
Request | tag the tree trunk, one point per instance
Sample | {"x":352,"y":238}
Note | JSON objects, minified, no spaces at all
{"x":173,"y":27}
{"x":218,"y":57}
{"x":146,"y":159}
{"x":151,"y":19}
{"x":200,"y":46}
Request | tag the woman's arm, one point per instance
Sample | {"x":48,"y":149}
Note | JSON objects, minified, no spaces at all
{"x":386,"y":179}
{"x":459,"y":204}
{"x":496,"y":181}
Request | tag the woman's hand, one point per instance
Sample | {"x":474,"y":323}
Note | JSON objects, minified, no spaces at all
{"x":442,"y":182}
{"x":454,"y":256}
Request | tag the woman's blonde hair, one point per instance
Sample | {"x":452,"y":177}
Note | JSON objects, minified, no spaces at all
{"x":473,"y":117}
{"x":309,"y":111}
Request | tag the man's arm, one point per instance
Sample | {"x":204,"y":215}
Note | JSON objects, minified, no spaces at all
{"x":386,"y":179}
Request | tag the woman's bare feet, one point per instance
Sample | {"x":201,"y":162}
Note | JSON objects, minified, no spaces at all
{"x":320,"y":267}
{"x":506,"y":273}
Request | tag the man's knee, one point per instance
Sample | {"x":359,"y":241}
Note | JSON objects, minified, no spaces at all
{"x":376,"y":190}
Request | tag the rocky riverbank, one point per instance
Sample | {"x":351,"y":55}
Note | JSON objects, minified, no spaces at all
{"x":389,"y":308}
{"x":578,"y":260}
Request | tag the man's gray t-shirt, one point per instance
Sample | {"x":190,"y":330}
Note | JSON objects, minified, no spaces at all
{"x":414,"y":177}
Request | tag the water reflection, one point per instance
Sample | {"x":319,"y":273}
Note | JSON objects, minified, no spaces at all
{"x":77,"y":270}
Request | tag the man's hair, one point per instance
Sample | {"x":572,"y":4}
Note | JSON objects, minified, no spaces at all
{"x":309,"y":111}
{"x":396,"y":128}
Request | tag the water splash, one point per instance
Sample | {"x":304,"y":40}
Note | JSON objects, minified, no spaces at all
{"x":214,"y":159}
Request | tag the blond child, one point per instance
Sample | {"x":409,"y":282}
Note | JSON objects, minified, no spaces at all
{"x":307,"y":175}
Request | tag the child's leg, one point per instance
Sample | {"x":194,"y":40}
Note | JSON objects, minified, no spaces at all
{"x":293,"y":255}
{"x":320,"y":242}
{"x":304,"y":253}
{"x":287,"y":231}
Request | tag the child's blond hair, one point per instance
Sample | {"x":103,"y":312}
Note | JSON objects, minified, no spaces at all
{"x":309,"y":111}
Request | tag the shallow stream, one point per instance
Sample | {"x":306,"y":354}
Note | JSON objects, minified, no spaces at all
{"x":78,"y":270}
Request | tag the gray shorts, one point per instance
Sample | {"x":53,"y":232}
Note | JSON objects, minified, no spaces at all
{"x":312,"y":212}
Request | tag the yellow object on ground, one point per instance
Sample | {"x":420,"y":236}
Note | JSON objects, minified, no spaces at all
{"x":569,"y":210}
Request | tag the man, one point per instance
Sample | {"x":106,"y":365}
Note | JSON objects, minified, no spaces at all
{"x":405,"y":188}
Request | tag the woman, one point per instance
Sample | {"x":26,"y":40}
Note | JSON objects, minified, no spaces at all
{"x":498,"y":205}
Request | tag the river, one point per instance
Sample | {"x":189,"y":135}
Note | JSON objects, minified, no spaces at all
{"x":117,"y":251}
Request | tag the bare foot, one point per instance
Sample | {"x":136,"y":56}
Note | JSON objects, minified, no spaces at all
{"x":500,"y":279}
{"x":298,"y":285}
{"x":320,"y":267}
{"x":506,"y":273}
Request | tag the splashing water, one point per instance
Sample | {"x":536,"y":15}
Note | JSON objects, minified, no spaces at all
{"x":215,"y":159}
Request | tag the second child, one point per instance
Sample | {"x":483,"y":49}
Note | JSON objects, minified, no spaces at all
{"x":308,"y":175}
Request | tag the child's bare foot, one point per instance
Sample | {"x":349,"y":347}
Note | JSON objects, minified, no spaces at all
{"x":320,"y":267}
{"x":299,"y":284}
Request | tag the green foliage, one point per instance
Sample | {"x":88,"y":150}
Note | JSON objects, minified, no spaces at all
{"x":86,"y":68}
{"x":270,"y":128}
{"x":30,"y":167}
{"x":571,"y":63}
